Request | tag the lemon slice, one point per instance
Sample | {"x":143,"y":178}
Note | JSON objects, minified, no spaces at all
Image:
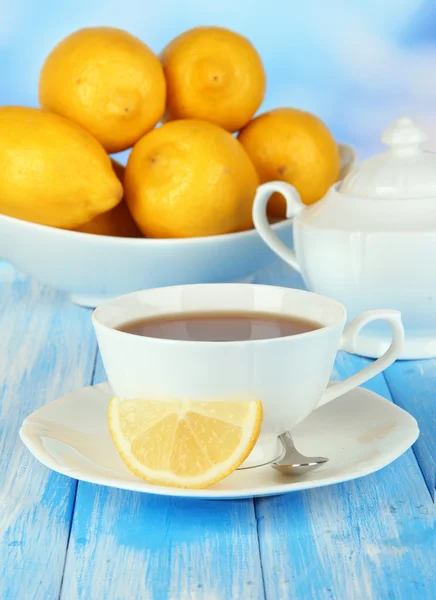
{"x":184,"y":444}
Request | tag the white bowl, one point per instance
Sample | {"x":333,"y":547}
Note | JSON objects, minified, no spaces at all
{"x":94,"y":268}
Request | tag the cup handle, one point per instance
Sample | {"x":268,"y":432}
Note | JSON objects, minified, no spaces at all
{"x":294,"y":207}
{"x":393,"y":317}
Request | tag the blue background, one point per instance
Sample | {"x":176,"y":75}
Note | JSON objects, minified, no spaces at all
{"x":357,"y":64}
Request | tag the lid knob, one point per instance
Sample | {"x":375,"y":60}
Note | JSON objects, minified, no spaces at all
{"x":406,"y":172}
{"x":404,"y":136}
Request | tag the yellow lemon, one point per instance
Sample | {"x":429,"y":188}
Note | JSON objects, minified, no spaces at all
{"x":116,"y":222}
{"x":52,"y":171}
{"x":108,"y":81}
{"x":190,"y":178}
{"x":184,"y":444}
{"x":293,"y":146}
{"x":213,"y":74}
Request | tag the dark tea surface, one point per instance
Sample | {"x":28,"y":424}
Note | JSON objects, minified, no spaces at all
{"x":219,"y":326}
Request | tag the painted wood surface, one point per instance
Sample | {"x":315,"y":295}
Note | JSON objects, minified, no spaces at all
{"x":371,"y":539}
{"x":47,"y":349}
{"x":413,"y":386}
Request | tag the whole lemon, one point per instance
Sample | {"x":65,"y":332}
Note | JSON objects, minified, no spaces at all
{"x":190,"y":178}
{"x":107,"y":81}
{"x":213,"y":74}
{"x":291,"y":145}
{"x":52,"y":171}
{"x":116,"y":222}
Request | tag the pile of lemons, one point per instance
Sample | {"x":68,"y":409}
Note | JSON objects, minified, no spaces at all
{"x":102,"y":90}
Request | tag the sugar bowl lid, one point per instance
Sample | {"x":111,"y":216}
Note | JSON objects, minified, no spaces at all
{"x":406,"y":171}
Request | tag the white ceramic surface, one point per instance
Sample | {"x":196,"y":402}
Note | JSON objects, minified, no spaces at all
{"x":360,"y":433}
{"x":94,"y":268}
{"x":368,"y":243}
{"x":288,"y":374}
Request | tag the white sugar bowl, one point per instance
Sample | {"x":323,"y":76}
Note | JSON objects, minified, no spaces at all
{"x":371,"y":241}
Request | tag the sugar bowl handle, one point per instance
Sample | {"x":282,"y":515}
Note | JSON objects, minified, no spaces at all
{"x":260,"y":219}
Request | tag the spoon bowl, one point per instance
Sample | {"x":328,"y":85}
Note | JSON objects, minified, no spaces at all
{"x":293,"y":462}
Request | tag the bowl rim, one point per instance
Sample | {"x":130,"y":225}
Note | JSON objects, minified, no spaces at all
{"x":130,"y":241}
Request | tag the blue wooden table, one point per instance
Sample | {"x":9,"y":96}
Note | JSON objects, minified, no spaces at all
{"x":369,"y":539}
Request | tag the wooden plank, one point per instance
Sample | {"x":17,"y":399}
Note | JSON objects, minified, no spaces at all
{"x":368,"y":539}
{"x":47,"y":350}
{"x":127,"y":545}
{"x":413,"y":387}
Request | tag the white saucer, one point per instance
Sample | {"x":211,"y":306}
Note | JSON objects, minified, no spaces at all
{"x":360,"y":433}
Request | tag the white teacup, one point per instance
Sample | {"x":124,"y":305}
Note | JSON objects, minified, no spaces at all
{"x":290,"y":375}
